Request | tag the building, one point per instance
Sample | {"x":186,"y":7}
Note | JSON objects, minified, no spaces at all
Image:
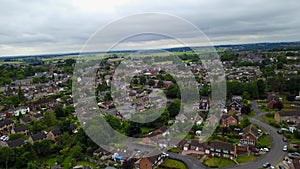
{"x":53,"y":135}
{"x":152,"y":161}
{"x":228,"y":120}
{"x":21,"y":110}
{"x":287,"y":116}
{"x":204,"y":104}
{"x":23,"y":129}
{"x":16,"y":143}
{"x":250,"y":136}
{"x":221,"y":149}
{"x":25,"y":120}
{"x":273,"y":99}
{"x":37,"y":137}
{"x":6,"y":126}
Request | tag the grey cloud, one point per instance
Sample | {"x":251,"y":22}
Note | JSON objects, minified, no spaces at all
{"x":32,"y":27}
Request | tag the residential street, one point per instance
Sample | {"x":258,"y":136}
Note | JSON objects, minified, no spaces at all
{"x":274,"y":156}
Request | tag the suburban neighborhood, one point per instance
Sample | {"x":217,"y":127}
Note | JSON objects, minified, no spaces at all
{"x":258,"y":127}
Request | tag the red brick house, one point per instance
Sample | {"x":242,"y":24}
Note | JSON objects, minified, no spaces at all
{"x":221,"y":149}
{"x":228,"y":120}
{"x":250,"y":136}
{"x":152,"y":161}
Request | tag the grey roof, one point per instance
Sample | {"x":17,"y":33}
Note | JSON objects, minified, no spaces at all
{"x":38,"y":136}
{"x":251,"y":129}
{"x":56,"y":132}
{"x":222,"y":146}
{"x":26,"y":119}
{"x":289,"y":113}
{"x":21,"y":128}
{"x":6,"y":122}
{"x":16,"y":143}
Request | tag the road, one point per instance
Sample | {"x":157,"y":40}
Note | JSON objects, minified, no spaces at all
{"x":274,"y":156}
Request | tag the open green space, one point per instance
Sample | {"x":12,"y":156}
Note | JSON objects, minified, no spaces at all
{"x":174,"y":164}
{"x":216,"y":162}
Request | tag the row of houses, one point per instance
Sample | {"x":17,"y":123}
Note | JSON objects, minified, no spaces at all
{"x":248,"y":139}
{"x":53,"y":135}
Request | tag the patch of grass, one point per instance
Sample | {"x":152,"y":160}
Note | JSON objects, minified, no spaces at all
{"x":175,"y":150}
{"x":86,"y":163}
{"x":264,"y":141}
{"x":146,"y":130}
{"x":245,"y":158}
{"x":174,"y":164}
{"x":218,"y":162}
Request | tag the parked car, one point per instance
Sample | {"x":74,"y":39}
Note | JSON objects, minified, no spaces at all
{"x":279,"y":131}
{"x":284,"y":139}
{"x":266,"y":165}
{"x":285,"y":148}
{"x":4,"y":138}
{"x":293,"y":155}
{"x":264,"y":149}
{"x":256,"y":154}
{"x":272,"y":167}
{"x":281,"y":167}
{"x":255,"y":150}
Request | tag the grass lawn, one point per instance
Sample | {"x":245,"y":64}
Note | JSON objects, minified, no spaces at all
{"x":146,"y":130}
{"x":218,"y":162}
{"x":174,"y":164}
{"x":264,"y":141}
{"x":86,"y":163}
{"x":175,"y":150}
{"x":190,"y":137}
{"x":245,"y":158}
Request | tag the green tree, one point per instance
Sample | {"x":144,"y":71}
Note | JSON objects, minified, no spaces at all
{"x":37,"y":126}
{"x":15,"y":136}
{"x":113,"y":121}
{"x":151,"y":82}
{"x":143,"y":80}
{"x":33,"y":165}
{"x":42,"y":148}
{"x":50,"y":119}
{"x":59,"y":111}
{"x":174,"y":108}
{"x":7,"y":157}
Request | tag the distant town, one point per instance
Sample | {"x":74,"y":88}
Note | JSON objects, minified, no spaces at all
{"x":259,"y":125}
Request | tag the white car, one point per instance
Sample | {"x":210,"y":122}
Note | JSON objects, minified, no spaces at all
{"x":264,"y":149}
{"x":285,"y":148}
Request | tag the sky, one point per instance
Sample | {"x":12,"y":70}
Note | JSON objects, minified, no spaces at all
{"x":54,"y":26}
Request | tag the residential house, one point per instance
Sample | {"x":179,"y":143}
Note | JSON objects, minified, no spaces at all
{"x":221,"y":149}
{"x":227,"y":120}
{"x":36,"y":116}
{"x":21,"y":110}
{"x":53,"y":135}
{"x":6,"y":126}
{"x":238,"y":99}
{"x":273,"y":98}
{"x":37,"y":137}
{"x":197,"y":146}
{"x":152,"y":160}
{"x":204,"y":104}
{"x":23,"y":129}
{"x":235,"y":106}
{"x":16,"y":143}
{"x":73,"y":128}
{"x":25,"y":120}
{"x":250,"y":136}
{"x":287,"y":116}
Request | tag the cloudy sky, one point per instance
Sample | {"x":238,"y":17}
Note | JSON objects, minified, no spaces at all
{"x":55,"y":26}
